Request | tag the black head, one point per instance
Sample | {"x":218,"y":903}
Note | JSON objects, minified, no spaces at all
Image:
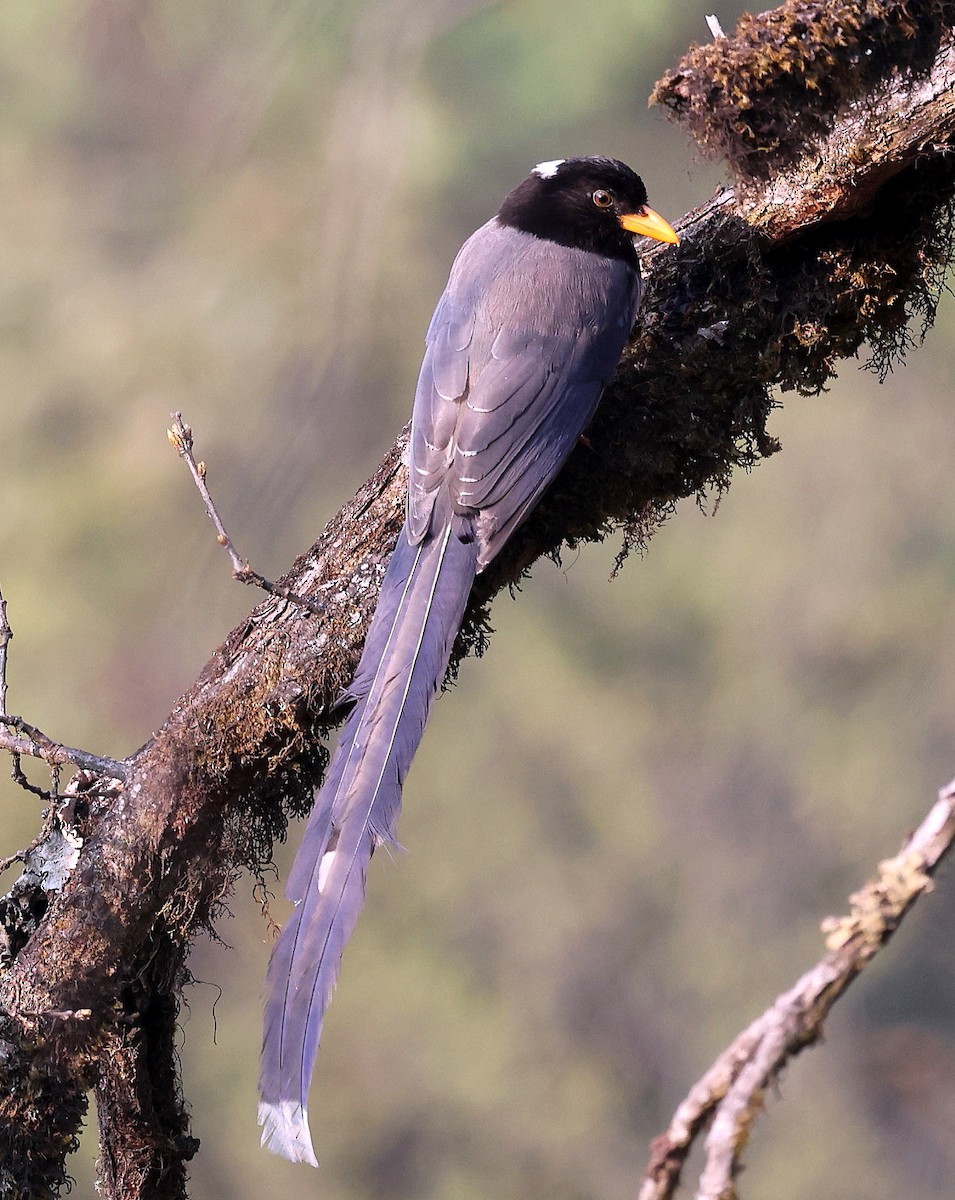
{"x":594,"y":204}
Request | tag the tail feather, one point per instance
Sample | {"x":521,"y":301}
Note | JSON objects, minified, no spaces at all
{"x":405,"y":658}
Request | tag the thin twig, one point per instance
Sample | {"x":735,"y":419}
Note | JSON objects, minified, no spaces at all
{"x":6,"y":633}
{"x":180,"y":436}
{"x":36,"y":744}
{"x":19,"y":777}
{"x":729,"y":1097}
{"x":714,"y":26}
{"x":16,"y":746}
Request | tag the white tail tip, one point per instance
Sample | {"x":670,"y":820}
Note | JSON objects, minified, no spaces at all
{"x":285,"y":1131}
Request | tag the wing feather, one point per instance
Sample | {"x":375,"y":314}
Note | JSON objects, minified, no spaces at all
{"x":505,"y":391}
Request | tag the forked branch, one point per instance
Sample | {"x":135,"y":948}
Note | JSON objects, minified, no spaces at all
{"x":730,"y":1096}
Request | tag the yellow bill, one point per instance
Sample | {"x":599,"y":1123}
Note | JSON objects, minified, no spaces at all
{"x":650,"y":224}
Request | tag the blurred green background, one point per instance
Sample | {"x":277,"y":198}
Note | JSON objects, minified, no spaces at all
{"x":626,"y":823}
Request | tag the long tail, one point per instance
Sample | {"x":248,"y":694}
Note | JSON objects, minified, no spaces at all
{"x":404,"y":661}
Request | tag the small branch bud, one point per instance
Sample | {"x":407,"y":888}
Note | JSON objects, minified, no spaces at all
{"x":180,"y":435}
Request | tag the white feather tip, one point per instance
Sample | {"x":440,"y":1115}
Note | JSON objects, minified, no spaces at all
{"x":285,"y":1131}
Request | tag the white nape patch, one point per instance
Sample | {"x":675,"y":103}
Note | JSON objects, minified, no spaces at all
{"x":324,"y":868}
{"x":547,"y":170}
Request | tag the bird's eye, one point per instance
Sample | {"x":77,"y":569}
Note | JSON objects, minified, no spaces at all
{"x":602,"y":199}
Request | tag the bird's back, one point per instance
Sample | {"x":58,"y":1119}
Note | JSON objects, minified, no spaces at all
{"x":519,"y":349}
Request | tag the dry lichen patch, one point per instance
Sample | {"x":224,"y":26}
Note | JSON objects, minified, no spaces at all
{"x":760,"y":97}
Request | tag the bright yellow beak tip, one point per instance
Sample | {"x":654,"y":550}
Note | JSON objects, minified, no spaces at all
{"x":650,"y":224}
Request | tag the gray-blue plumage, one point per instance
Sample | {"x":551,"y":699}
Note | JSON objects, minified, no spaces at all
{"x":519,"y":349}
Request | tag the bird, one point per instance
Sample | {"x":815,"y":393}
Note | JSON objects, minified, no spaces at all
{"x":539,"y":305}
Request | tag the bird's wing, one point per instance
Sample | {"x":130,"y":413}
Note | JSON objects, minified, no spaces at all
{"x":519,"y":350}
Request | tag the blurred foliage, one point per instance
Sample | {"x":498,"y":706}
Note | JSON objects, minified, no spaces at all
{"x":626,"y":823}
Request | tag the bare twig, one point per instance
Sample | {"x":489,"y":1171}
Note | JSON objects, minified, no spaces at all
{"x":729,"y":1096}
{"x":6,"y":633}
{"x":180,"y":436}
{"x":36,"y":744}
{"x":714,"y":26}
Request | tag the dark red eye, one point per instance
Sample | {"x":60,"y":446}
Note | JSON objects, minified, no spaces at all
{"x":602,"y":199}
